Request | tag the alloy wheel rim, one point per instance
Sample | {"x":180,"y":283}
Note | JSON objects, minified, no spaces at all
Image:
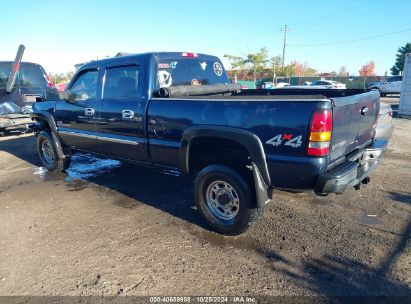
{"x":222,"y":200}
{"x":48,"y":152}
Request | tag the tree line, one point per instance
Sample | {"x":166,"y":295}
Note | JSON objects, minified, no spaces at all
{"x":261,"y":63}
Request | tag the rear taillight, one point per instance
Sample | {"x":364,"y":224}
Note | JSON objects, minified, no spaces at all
{"x":320,"y":133}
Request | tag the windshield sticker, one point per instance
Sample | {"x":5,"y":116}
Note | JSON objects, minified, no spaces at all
{"x":218,"y":69}
{"x":164,"y":79}
{"x":173,"y":64}
{"x":163,"y":66}
{"x":203,"y":65}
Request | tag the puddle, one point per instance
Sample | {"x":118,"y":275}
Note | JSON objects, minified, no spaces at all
{"x":126,"y":202}
{"x":77,"y":184}
{"x":319,"y":202}
{"x":364,"y":218}
{"x":242,"y":242}
{"x":41,"y":171}
{"x":2,"y":189}
{"x":86,"y":166}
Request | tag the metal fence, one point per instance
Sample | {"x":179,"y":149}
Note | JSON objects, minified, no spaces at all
{"x":352,"y":82}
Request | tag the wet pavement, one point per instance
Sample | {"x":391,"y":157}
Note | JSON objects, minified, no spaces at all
{"x":110,"y":228}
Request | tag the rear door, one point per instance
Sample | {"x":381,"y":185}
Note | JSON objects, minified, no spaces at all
{"x":75,"y":118}
{"x":393,"y":85}
{"x":353,"y":122}
{"x":119,"y":122}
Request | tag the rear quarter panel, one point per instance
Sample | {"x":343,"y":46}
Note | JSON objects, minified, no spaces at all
{"x":169,"y":118}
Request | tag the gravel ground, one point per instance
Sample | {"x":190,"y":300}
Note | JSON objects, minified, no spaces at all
{"x":107,"y":228}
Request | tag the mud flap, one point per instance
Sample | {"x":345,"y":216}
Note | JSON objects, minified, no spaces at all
{"x":58,"y":146}
{"x":261,"y":189}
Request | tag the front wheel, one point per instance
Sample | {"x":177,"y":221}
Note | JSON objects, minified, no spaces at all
{"x":225,"y":200}
{"x":46,"y":149}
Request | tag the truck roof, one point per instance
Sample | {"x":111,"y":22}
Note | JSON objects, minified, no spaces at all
{"x":157,"y":55}
{"x":23,"y":62}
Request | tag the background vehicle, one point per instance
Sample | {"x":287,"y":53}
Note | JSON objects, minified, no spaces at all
{"x":282,"y":84}
{"x":329,"y":84}
{"x":30,"y":84}
{"x":179,"y":111}
{"x":390,"y":86}
{"x":266,"y":85}
{"x":385,"y":126}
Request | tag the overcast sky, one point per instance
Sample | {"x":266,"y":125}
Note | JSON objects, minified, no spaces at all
{"x":327,"y":34}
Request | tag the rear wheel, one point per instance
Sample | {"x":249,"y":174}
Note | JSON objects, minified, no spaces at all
{"x":379,"y":90}
{"x":46,"y":149}
{"x":225,"y":200}
{"x":382,"y":94}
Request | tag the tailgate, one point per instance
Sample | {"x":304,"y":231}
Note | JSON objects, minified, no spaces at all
{"x":353,"y":122}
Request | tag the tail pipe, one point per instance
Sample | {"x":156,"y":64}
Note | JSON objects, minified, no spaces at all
{"x":365,"y":181}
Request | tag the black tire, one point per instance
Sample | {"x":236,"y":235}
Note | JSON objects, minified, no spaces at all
{"x":50,"y":159}
{"x":243,"y":197}
{"x":382,"y":94}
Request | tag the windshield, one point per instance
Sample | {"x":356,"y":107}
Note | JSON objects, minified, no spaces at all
{"x":32,"y":76}
{"x":190,"y":71}
{"x":28,"y":76}
{"x":4,"y":73}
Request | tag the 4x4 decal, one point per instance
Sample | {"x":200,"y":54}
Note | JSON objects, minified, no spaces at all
{"x":286,"y":139}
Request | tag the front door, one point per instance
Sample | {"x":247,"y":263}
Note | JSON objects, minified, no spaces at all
{"x":75,"y":117}
{"x":119,"y":121}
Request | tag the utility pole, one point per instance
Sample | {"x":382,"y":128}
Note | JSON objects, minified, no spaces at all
{"x":285,"y":42}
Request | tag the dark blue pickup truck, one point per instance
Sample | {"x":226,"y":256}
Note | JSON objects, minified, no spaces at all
{"x":179,"y":110}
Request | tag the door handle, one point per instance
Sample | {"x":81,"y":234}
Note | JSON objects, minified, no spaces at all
{"x":364,"y":110}
{"x":128,"y":114}
{"x":89,"y":111}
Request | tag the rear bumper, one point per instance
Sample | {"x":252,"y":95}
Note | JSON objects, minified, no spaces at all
{"x":352,"y":172}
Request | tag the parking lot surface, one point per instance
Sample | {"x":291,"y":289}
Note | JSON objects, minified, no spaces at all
{"x":110,"y":228}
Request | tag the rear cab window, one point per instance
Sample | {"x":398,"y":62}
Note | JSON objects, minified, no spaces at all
{"x":190,"y":70}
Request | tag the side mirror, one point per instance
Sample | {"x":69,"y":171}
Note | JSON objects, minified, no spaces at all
{"x":67,"y":96}
{"x":42,"y":97}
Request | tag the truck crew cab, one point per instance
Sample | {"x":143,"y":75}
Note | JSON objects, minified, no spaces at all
{"x":179,"y":110}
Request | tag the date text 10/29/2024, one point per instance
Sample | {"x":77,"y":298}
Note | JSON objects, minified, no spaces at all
{"x":205,"y":299}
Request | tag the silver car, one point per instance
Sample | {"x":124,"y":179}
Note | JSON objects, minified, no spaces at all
{"x":384,"y":126}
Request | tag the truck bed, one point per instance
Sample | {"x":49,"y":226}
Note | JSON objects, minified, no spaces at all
{"x":268,"y":113}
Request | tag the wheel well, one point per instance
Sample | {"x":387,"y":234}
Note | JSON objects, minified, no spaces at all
{"x":205,"y":151}
{"x":43,"y":125}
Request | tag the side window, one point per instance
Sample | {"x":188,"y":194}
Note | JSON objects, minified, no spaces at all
{"x":85,"y":86}
{"x":391,"y":79}
{"x":121,"y":83}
